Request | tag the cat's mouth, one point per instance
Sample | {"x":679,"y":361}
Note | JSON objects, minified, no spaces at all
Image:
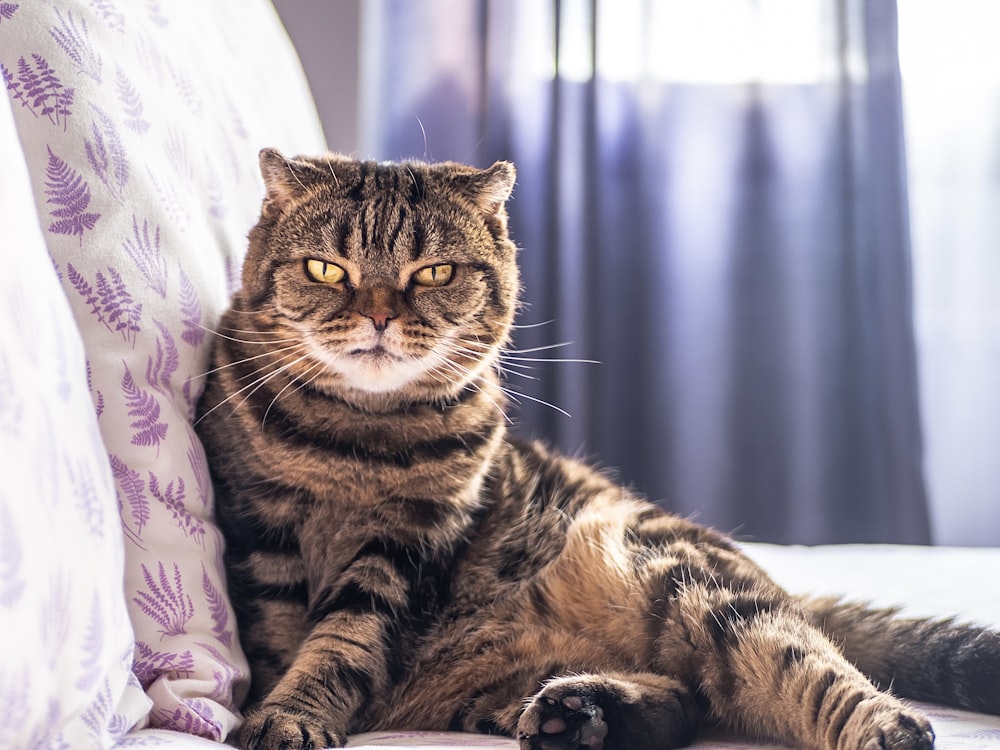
{"x":378,"y":353}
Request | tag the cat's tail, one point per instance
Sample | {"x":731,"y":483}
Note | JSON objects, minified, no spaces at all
{"x":938,"y":661}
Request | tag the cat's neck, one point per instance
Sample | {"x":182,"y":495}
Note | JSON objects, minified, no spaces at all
{"x":484,"y":389}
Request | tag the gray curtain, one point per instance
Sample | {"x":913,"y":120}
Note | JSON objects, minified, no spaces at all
{"x":734,"y":253}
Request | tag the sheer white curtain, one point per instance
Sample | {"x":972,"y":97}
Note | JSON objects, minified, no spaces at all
{"x":950,"y":59}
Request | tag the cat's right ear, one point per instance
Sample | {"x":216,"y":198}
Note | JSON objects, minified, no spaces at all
{"x":284,"y":180}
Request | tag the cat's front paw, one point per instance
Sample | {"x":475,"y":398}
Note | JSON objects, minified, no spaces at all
{"x":892,"y":728}
{"x":274,"y":728}
{"x":562,"y":718}
{"x":605,"y":712}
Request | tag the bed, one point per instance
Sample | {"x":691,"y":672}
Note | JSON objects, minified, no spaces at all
{"x":925,"y":581}
{"x":128,"y":144}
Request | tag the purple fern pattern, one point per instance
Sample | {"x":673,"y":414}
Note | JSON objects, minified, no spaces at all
{"x":110,"y":14}
{"x":149,"y":663}
{"x":219,"y":611}
{"x":197,"y":720}
{"x":14,"y":709}
{"x":131,"y":103}
{"x":143,"y":247}
{"x":131,"y":492}
{"x":96,"y":716}
{"x":84,"y":289}
{"x":95,"y":394}
{"x":216,"y":194}
{"x":148,"y":430}
{"x":199,"y":467}
{"x":164,"y":600}
{"x":73,"y":38}
{"x":7,"y":11}
{"x":226,"y":675}
{"x":170,"y":200}
{"x":109,"y":301}
{"x":106,"y":155}
{"x":93,"y":646}
{"x":177,"y":151}
{"x":172,"y":497}
{"x":194,"y":331}
{"x":70,"y":193}
{"x":120,"y":724}
{"x":90,"y":504}
{"x":122,"y":312}
{"x":38,"y":89}
{"x":163,"y":363}
{"x":191,"y":394}
{"x":188,"y":92}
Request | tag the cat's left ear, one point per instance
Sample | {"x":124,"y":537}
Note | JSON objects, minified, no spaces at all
{"x":284,"y":180}
{"x":490,"y":188}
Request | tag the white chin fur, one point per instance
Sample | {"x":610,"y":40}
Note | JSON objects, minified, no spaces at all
{"x":373,"y":373}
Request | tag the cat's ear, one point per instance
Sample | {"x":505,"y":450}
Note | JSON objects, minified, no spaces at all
{"x":284,"y":179}
{"x":493,"y":186}
{"x":488,"y":189}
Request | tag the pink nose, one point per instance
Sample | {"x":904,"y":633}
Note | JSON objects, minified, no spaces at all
{"x":379,"y":303}
{"x":381,"y":319}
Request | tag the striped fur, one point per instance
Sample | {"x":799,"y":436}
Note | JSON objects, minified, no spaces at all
{"x":398,"y":561}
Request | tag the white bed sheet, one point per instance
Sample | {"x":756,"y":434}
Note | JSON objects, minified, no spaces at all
{"x":924,"y":581}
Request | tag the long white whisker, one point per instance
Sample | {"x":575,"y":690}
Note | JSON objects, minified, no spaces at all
{"x":306,"y":378}
{"x":283,"y":360}
{"x":505,"y":358}
{"x":266,"y":379}
{"x":251,"y":359}
{"x":460,"y":370}
{"x":503,"y":370}
{"x":271,"y":342}
{"x":517,"y":394}
{"x":259,"y":383}
{"x":539,"y":348}
{"x":254,"y":331}
{"x":512,"y":394}
{"x":533,"y":325}
{"x":513,"y":358}
{"x":501,"y":366}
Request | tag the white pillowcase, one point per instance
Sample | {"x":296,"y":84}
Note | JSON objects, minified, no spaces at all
{"x":140,"y":123}
{"x":66,"y":650}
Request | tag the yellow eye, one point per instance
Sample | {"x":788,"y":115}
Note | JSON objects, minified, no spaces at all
{"x":437,"y":275}
{"x":323,"y":272}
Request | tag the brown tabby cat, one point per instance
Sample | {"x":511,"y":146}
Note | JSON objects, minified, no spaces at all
{"x":398,"y":561}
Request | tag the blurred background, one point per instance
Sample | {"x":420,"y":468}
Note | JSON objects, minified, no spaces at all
{"x":775,"y":223}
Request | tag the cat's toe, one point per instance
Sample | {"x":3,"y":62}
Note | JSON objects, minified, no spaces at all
{"x":272,"y":728}
{"x":558,"y":719}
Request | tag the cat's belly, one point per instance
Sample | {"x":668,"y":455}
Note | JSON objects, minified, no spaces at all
{"x":582,"y":612}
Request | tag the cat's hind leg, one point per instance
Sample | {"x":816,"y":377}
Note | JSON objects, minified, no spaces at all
{"x":609,"y":712}
{"x":764,"y":669}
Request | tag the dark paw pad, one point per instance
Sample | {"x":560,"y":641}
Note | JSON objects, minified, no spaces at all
{"x":562,"y":720}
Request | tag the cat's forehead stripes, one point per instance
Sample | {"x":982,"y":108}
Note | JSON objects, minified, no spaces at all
{"x":384,"y":224}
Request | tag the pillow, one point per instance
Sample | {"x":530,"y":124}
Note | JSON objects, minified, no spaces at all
{"x":141,"y":123}
{"x":66,"y":650}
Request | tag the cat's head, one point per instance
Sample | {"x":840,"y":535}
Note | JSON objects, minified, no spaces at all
{"x":398,"y":278}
